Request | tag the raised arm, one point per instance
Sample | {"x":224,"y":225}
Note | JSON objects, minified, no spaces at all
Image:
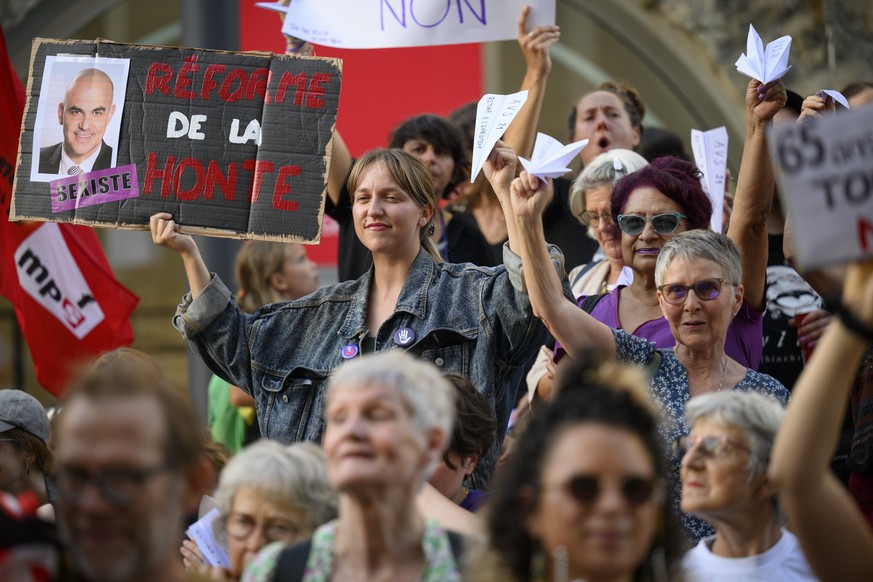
{"x":534,"y":45}
{"x":165,"y":233}
{"x":835,"y":538}
{"x":340,"y":158}
{"x":575,"y":329}
{"x":755,"y":188}
{"x":500,"y":168}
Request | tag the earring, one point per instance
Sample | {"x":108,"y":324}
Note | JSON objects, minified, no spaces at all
{"x":431,"y":229}
{"x":560,"y":564}
{"x":26,"y":466}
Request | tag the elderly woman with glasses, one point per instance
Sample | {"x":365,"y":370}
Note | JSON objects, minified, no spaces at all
{"x":724,"y":481}
{"x":267,"y":493}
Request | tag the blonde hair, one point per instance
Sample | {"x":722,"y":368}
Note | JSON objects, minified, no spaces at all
{"x":412,"y":176}
{"x":256,"y":263}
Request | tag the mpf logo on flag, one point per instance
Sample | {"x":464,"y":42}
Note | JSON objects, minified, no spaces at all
{"x":47,"y":274}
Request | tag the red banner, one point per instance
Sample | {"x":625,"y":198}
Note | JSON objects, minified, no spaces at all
{"x":68,"y":304}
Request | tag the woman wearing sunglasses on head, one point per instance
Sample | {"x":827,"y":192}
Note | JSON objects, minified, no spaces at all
{"x":582,"y":497}
{"x":724,"y":481}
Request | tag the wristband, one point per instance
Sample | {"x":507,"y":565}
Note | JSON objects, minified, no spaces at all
{"x":851,"y":322}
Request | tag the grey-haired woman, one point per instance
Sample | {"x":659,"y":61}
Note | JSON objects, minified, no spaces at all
{"x":725,"y":482}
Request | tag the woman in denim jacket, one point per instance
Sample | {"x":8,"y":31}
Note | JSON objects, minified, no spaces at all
{"x":476,"y":321}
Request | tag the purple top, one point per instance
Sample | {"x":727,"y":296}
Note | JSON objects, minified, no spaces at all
{"x":474,"y":500}
{"x":744,"y":341}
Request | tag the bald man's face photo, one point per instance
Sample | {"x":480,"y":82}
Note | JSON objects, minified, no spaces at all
{"x":84,"y":113}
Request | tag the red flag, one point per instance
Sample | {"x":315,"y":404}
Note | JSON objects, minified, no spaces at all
{"x":68,"y":304}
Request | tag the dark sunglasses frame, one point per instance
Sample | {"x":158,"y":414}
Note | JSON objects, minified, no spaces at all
{"x":71,"y":481}
{"x":656,"y":222}
{"x":713,"y":294}
{"x":585,"y":489}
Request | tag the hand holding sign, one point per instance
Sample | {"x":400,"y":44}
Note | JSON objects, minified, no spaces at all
{"x":768,"y":64}
{"x":710,"y":156}
{"x":550,"y":158}
{"x":403,"y":23}
{"x":493,"y":116}
{"x":210,"y":550}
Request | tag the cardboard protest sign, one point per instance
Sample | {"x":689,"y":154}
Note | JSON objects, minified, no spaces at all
{"x":825,"y":173}
{"x":355,"y":24}
{"x":231,"y":144}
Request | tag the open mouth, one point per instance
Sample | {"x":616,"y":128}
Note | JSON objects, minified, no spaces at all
{"x":603,"y":143}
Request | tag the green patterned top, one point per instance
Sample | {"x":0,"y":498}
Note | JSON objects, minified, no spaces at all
{"x":440,"y":565}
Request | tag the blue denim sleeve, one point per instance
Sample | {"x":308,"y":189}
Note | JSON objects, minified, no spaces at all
{"x":218,"y":332}
{"x":511,"y":323}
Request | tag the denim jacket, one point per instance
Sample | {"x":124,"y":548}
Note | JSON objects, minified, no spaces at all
{"x":476,"y":321}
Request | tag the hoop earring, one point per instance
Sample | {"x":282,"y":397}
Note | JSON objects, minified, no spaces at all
{"x":560,"y":564}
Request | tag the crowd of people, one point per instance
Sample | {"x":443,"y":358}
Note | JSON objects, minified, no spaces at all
{"x":515,"y":379}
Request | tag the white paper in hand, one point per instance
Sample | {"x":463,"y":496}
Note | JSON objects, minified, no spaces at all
{"x":493,"y":116}
{"x":710,"y":155}
{"x":550,"y":158}
{"x":764,"y":64}
{"x":201,"y":532}
{"x":835,"y":95}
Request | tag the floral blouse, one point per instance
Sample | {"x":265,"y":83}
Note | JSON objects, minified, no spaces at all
{"x":440,"y":565}
{"x":669,"y":390}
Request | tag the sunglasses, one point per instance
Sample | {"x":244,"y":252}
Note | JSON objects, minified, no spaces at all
{"x":586,"y":489}
{"x":633,"y":224}
{"x":705,"y":289}
{"x":709,"y":446}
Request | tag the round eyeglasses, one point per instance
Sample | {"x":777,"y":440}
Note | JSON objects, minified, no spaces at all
{"x":710,"y":446}
{"x":705,"y":289}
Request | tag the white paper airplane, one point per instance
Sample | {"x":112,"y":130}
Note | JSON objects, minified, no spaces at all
{"x":493,"y":116}
{"x":768,"y":64}
{"x":550,"y":157}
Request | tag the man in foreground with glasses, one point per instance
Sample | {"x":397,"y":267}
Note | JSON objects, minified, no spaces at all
{"x":129,"y":467}
{"x":724,"y":481}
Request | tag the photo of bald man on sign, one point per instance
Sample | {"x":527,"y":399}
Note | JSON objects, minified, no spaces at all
{"x":81,"y":103}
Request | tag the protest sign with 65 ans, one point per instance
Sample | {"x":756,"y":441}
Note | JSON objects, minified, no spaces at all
{"x":825,"y":173}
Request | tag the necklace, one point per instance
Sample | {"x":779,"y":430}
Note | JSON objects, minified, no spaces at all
{"x":723,"y":373}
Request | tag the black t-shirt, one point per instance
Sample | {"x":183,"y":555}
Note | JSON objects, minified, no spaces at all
{"x":786,"y":292}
